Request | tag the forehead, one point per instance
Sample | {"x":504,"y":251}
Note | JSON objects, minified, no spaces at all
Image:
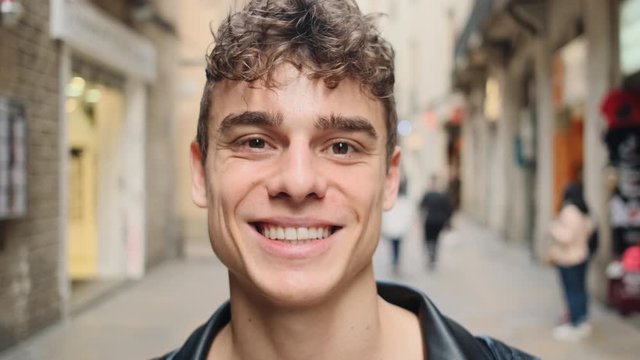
{"x":296,"y":95}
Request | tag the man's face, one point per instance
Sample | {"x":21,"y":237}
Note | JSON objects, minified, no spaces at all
{"x":295,"y":182}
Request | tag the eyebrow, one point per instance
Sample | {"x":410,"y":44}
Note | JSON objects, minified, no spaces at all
{"x":334,"y":121}
{"x":351,"y":124}
{"x":255,"y":118}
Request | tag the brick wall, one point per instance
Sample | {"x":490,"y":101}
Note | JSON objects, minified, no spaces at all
{"x":29,"y":247}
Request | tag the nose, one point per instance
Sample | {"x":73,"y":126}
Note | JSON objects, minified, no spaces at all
{"x":297,"y":176}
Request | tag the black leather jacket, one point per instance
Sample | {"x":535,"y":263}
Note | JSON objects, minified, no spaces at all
{"x":444,"y":339}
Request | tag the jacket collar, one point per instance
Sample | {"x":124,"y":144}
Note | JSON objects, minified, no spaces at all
{"x":442,"y":337}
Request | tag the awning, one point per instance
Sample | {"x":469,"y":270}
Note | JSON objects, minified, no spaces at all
{"x":480,"y":12}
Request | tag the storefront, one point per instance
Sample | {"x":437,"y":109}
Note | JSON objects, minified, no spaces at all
{"x":94,"y":111}
{"x":105,"y":68}
{"x":569,"y":83}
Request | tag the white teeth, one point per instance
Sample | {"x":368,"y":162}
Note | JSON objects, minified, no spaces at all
{"x":290,"y":234}
{"x":303,"y":233}
{"x":295,"y":235}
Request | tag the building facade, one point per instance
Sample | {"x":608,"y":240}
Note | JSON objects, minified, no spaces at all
{"x":534,"y":74}
{"x":423,"y":34}
{"x":86,"y":113}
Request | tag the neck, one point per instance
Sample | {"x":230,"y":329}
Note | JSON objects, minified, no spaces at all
{"x":345,"y":326}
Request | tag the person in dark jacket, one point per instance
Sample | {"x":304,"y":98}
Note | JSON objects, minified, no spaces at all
{"x":295,"y":160}
{"x":437,"y":210}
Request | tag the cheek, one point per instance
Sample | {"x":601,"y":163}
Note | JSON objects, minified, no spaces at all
{"x":366,"y":191}
{"x":234,"y":188}
{"x":230,"y":192}
{"x":233,"y":181}
{"x":361,"y":193}
{"x":363,"y":186}
{"x":227,"y":188}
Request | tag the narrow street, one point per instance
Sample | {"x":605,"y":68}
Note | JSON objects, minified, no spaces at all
{"x":488,"y":285}
{"x":494,"y":288}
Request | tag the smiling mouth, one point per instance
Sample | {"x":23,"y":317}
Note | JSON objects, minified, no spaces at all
{"x":295,"y":235}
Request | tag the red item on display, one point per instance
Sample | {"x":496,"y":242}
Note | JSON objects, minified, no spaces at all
{"x":631,"y":259}
{"x":621,"y":108}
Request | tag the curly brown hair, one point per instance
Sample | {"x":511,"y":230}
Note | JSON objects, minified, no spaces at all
{"x":331,"y":39}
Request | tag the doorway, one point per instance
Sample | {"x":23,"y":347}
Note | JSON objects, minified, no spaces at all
{"x":569,"y":93}
{"x":95,"y":112}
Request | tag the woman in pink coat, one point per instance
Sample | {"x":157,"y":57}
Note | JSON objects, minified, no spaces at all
{"x":569,"y":251}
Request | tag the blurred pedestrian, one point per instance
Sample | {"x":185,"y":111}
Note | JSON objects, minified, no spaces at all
{"x":569,"y":252}
{"x":397,"y":222}
{"x":437,"y":211}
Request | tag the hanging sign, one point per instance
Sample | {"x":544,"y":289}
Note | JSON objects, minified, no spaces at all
{"x":13,"y":168}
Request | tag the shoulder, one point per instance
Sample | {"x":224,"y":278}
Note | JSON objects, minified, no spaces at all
{"x":499,"y":350}
{"x":427,"y":199}
{"x":570,"y":210}
{"x":444,"y":338}
{"x":571,"y":214}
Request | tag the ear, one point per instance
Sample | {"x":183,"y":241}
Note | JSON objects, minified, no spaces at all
{"x":392,"y":180}
{"x":198,"y":177}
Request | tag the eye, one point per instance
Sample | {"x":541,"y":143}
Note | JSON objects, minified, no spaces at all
{"x":343,"y":149}
{"x":340,"y":148}
{"x":253,"y":143}
{"x":256,"y":143}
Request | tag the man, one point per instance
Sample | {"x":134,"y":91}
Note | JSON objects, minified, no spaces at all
{"x":438,"y":210}
{"x":295,"y":160}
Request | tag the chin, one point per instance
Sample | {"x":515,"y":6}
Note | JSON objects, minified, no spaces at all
{"x":297,"y":290}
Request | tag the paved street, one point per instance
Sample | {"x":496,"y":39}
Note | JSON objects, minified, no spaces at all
{"x":490,"y":287}
{"x":494,"y":288}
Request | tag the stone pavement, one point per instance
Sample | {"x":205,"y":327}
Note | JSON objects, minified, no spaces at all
{"x":490,"y":286}
{"x":141,"y":320}
{"x":494,"y":288}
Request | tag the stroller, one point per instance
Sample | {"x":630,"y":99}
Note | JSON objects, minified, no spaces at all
{"x":623,"y":290}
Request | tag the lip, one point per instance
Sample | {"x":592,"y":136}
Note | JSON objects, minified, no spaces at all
{"x":295,"y":251}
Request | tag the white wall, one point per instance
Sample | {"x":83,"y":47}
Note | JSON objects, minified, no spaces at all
{"x":423,"y":34}
{"x":133,"y":178}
